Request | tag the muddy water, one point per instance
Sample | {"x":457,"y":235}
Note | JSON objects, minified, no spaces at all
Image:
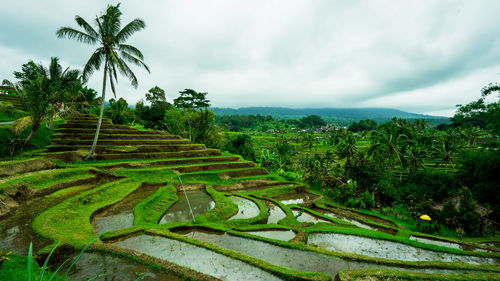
{"x":120,"y":215}
{"x":17,"y":239}
{"x":303,"y":216}
{"x":289,"y":258}
{"x":199,"y":259}
{"x":200,"y":201}
{"x":246,"y":208}
{"x":386,"y":249}
{"x":296,"y":198}
{"x":283,"y":235}
{"x":114,"y":269}
{"x":275,"y":213}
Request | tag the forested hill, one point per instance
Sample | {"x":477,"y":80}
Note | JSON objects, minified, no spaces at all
{"x":329,"y":114}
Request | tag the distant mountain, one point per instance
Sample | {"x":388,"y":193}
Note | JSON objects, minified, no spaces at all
{"x":341,"y":115}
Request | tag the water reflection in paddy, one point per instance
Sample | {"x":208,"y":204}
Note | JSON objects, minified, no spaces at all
{"x":200,"y":201}
{"x":199,"y":259}
{"x":355,"y":222}
{"x":296,"y":198}
{"x":275,"y":213}
{"x":246,"y":208}
{"x":303,"y":216}
{"x":287,"y":257}
{"x":114,"y":268}
{"x":386,"y":249}
{"x":283,"y":235}
{"x":120,"y":215}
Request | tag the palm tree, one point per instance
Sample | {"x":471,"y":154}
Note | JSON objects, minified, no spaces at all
{"x":388,"y":146}
{"x":309,"y":141}
{"x":40,"y":90}
{"x":347,"y":148}
{"x":110,"y":37}
{"x":446,"y":148}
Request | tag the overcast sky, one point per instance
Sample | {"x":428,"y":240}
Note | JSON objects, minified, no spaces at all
{"x":418,"y":56}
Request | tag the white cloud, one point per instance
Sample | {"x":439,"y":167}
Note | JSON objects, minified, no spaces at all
{"x":413,"y":55}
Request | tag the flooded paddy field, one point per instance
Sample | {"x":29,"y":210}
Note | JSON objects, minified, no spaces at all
{"x":197,"y":258}
{"x":199,"y":200}
{"x":387,"y":249}
{"x":247,"y":209}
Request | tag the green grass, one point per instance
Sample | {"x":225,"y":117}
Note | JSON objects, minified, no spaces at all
{"x":11,"y":115}
{"x":60,"y":222}
{"x":151,"y":210}
{"x":16,"y":270}
{"x":390,"y":275}
{"x":224,"y":208}
{"x":47,"y":178}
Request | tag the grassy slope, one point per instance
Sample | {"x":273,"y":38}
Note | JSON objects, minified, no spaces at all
{"x":60,"y":222}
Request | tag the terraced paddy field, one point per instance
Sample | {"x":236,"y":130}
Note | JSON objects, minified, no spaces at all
{"x":175,"y":210}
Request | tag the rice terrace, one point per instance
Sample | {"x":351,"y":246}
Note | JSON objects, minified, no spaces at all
{"x":278,"y":183}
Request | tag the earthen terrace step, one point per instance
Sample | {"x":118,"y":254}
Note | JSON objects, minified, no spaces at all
{"x":127,"y":150}
{"x":108,"y":131}
{"x":171,"y":162}
{"x":244,"y":173}
{"x":179,"y":154}
{"x":217,"y":166}
{"x":128,"y":142}
{"x":114,"y":136}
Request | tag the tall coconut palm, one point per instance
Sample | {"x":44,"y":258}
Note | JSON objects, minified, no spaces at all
{"x":112,"y":50}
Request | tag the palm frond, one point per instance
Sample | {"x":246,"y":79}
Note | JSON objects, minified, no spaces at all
{"x":129,"y":29}
{"x":131,"y":50}
{"x":128,"y":73}
{"x":55,"y":69}
{"x":134,"y":60}
{"x":112,"y":20}
{"x":21,"y":124}
{"x":94,"y":63}
{"x":112,"y":84}
{"x":72,"y":33}
{"x":85,"y":25}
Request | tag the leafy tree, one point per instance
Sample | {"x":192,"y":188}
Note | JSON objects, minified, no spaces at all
{"x":112,"y":51}
{"x":480,"y":170}
{"x":119,"y":112}
{"x":156,"y":95}
{"x":41,"y":90}
{"x":469,"y":218}
{"x":190,"y":99}
{"x":241,"y":144}
{"x":198,"y":126}
{"x":153,"y":116}
{"x":311,"y":121}
{"x":362,"y":125}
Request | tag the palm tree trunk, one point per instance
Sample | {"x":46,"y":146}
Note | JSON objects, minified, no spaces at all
{"x":99,"y":121}
{"x":32,"y":133}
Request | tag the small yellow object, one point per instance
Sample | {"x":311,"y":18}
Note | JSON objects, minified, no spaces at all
{"x":425,"y":217}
